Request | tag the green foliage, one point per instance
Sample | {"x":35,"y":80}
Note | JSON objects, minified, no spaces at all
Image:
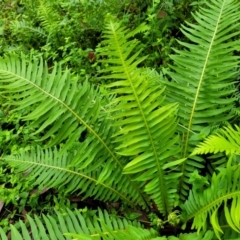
{"x":85,"y":223}
{"x":56,"y":30}
{"x":225,"y":140}
{"x":203,"y":77}
{"x":132,"y":139}
{"x":163,"y":19}
{"x":202,"y":205}
{"x":143,"y":136}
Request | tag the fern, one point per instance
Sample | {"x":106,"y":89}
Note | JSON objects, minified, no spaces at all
{"x":226,"y":140}
{"x":224,"y":186}
{"x":64,"y":110}
{"x":203,"y":76}
{"x":85,"y":224}
{"x":23,"y":25}
{"x":46,"y":12}
{"x":147,"y":129}
{"x":206,"y":205}
{"x":129,"y":148}
{"x":52,"y":171}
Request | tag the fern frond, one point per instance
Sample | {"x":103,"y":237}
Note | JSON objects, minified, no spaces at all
{"x":62,"y":109}
{"x":87,"y":224}
{"x":147,"y":129}
{"x":49,"y":170}
{"x":203,"y":75}
{"x":209,"y":235}
{"x":22,"y":24}
{"x":131,"y":233}
{"x":46,"y":12}
{"x":203,"y":207}
{"x":226,"y":140}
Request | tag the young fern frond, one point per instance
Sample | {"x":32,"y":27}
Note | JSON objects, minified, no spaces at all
{"x":203,"y":75}
{"x":147,"y":129}
{"x":63,"y":109}
{"x":225,"y":140}
{"x":204,"y":206}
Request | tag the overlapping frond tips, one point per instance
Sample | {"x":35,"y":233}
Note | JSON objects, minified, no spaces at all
{"x":204,"y":207}
{"x":147,"y":129}
{"x":203,"y":74}
{"x":225,"y":140}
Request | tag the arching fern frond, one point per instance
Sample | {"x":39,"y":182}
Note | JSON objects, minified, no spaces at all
{"x":61,"y":109}
{"x":49,"y":170}
{"x":225,"y":140}
{"x":204,"y":207}
{"x":16,"y":25}
{"x":203,"y":75}
{"x":147,"y":129}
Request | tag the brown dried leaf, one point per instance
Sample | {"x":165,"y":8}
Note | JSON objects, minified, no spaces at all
{"x":1,"y":205}
{"x":162,"y":14}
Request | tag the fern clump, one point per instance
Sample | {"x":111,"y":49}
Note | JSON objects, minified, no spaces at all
{"x":132,"y":140}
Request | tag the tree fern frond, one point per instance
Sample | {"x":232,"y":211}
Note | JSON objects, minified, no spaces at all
{"x":84,"y":223}
{"x":62,"y":109}
{"x":204,"y":72}
{"x":226,"y":140}
{"x":204,"y":206}
{"x":147,"y":129}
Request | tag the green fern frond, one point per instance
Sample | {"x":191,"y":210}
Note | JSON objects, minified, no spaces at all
{"x":147,"y":129}
{"x":229,"y":234}
{"x":23,"y":25}
{"x":204,"y":207}
{"x":131,"y":233}
{"x":209,"y":235}
{"x":63,"y":109}
{"x":47,"y":14}
{"x":203,"y":75}
{"x":49,"y":170}
{"x":87,"y":224}
{"x":226,"y":140}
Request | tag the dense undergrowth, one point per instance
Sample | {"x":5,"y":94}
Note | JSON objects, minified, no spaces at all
{"x":119,"y":119}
